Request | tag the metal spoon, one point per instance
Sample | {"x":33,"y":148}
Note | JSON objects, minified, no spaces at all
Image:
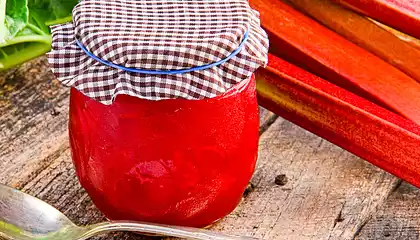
{"x":23,"y":217}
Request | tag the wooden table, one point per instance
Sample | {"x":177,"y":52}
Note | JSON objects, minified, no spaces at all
{"x":329,"y":193}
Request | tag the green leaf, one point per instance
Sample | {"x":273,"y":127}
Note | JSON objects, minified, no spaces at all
{"x":3,"y":29}
{"x":51,"y":12}
{"x":26,"y":45}
{"x":14,"y":16}
{"x":17,"y":14}
{"x":24,"y":28}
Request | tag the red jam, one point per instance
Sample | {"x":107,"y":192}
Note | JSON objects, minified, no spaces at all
{"x":180,"y":162}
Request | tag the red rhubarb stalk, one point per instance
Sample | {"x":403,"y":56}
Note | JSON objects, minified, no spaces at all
{"x":403,"y":15}
{"x":407,"y":38}
{"x":306,"y":43}
{"x":381,"y":137}
{"x":364,"y":33}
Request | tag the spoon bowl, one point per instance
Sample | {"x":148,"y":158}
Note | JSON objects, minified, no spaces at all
{"x":23,"y":217}
{"x":26,"y":217}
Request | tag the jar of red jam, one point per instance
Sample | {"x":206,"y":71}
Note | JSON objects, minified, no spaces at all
{"x":163,"y":110}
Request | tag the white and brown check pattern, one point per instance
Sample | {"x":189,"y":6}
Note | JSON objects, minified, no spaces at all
{"x":158,"y":35}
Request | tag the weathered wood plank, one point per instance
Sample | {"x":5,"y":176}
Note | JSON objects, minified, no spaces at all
{"x":398,"y":219}
{"x":329,"y":193}
{"x":33,"y":132}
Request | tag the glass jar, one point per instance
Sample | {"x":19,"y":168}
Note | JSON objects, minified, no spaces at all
{"x":176,"y":161}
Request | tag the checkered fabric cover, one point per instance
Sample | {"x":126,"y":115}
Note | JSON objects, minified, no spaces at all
{"x":158,"y":35}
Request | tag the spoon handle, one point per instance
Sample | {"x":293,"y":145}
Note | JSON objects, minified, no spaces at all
{"x":162,"y":230}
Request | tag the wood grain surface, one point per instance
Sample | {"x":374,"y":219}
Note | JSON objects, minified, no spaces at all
{"x":321,"y":191}
{"x":398,"y":218}
{"x":33,"y":129}
{"x":330,"y":193}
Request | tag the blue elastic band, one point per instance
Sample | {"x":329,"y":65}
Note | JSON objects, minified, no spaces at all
{"x":163,"y":72}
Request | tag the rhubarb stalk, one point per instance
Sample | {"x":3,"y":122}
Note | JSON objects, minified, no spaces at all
{"x":306,"y":43}
{"x":403,"y":15}
{"x":407,"y":38}
{"x":345,"y":119}
{"x":364,"y":33}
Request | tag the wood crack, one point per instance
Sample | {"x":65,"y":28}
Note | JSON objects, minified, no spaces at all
{"x":267,"y":123}
{"x":339,"y":217}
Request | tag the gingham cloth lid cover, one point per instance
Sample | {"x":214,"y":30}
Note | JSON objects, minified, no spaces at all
{"x":164,"y":37}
